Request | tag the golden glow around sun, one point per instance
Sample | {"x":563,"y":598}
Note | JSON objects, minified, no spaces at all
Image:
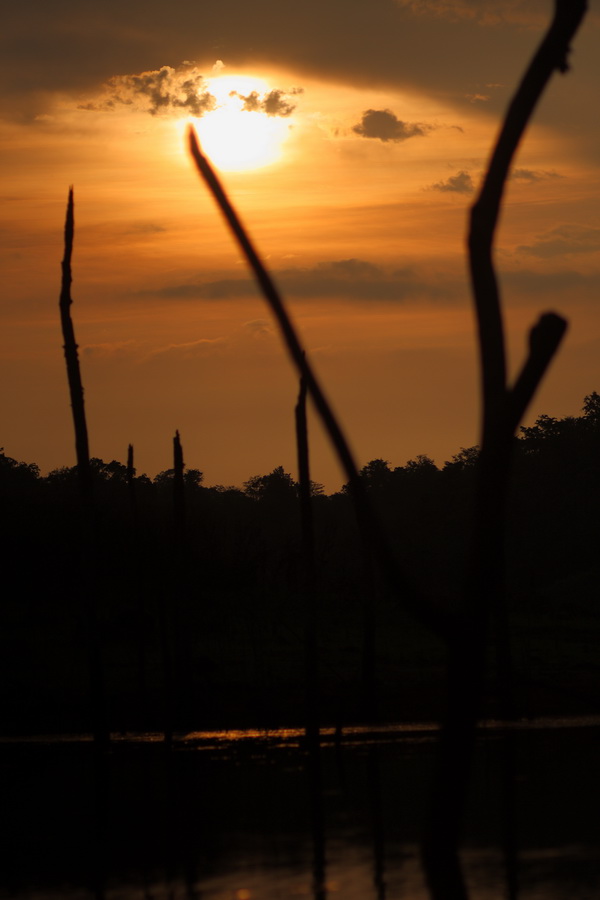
{"x":234,"y":138}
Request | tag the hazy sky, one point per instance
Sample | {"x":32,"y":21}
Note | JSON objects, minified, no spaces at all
{"x":352,"y":137}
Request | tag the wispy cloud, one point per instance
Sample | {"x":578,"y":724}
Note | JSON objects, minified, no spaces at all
{"x":564,"y":240}
{"x":532,"y":175}
{"x":187,"y":349}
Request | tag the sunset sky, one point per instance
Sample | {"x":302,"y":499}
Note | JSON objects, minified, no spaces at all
{"x":351,"y":137}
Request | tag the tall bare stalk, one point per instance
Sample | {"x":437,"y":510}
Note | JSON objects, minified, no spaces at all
{"x":308,"y":580}
{"x":178,"y":496}
{"x":503,"y":407}
{"x":84,"y":474}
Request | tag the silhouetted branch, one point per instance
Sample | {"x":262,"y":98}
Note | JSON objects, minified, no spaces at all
{"x":84,"y":473}
{"x":544,"y":341}
{"x":277,"y":307}
{"x":552,"y":54}
{"x":72,"y":361}
{"x":434,"y":615}
{"x":502,"y":409}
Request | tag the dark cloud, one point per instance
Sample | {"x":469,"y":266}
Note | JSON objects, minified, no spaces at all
{"x":462,"y":183}
{"x":345,"y":279}
{"x":385,"y":126}
{"x":163,"y":90}
{"x":273,"y":103}
{"x":566,"y":239}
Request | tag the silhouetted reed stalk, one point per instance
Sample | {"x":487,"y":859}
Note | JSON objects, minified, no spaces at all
{"x":178,"y":497}
{"x":84,"y":475}
{"x":311,"y":647}
{"x":503,"y":407}
{"x":130,"y":477}
{"x":138,"y":591}
{"x":308,"y":578}
{"x":168,"y":609}
{"x":169,"y":594}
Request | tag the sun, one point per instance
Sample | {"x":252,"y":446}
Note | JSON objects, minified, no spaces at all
{"x":234,"y":137}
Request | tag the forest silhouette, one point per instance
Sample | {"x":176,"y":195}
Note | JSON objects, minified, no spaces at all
{"x":234,"y":591}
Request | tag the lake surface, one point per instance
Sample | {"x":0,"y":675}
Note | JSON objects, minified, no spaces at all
{"x":243,"y":816}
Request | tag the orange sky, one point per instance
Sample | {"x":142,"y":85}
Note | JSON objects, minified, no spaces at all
{"x":388,"y":118}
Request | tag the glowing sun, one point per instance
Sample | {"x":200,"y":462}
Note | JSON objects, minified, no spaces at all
{"x":237,"y":134}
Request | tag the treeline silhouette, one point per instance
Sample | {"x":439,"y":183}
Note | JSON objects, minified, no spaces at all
{"x":200,"y":596}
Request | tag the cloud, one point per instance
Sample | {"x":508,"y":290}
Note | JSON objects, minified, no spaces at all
{"x":163,"y":90}
{"x":345,"y":279}
{"x":383,"y":125}
{"x":273,"y":103}
{"x":187,"y":349}
{"x":111,"y":349}
{"x":462,"y":183}
{"x":565,"y":239}
{"x":532,"y":175}
{"x":144,"y":228}
{"x":530,"y":283}
{"x":259,"y":328}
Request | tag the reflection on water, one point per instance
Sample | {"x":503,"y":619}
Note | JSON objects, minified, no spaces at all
{"x":245,"y":816}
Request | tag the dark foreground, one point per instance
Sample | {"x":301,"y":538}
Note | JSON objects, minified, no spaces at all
{"x":239,"y":815}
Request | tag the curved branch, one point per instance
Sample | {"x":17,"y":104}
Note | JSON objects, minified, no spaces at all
{"x":551,"y":54}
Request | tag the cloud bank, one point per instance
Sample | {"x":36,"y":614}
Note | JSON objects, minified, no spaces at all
{"x":346,"y":279}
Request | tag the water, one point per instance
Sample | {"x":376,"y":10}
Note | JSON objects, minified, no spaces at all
{"x":237,"y":816}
